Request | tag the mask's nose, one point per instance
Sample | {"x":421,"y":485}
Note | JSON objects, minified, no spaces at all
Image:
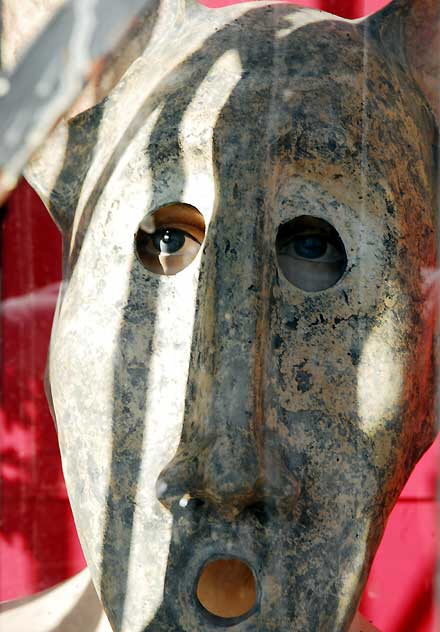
{"x":224,"y":476}
{"x":227,"y":459}
{"x":232,"y":477}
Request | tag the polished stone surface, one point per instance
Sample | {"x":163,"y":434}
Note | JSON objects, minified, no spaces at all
{"x":224,"y":412}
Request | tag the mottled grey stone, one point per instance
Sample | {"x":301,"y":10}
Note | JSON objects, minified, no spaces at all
{"x":289,"y":420}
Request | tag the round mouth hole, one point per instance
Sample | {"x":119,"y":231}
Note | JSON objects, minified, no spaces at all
{"x":226,"y":590}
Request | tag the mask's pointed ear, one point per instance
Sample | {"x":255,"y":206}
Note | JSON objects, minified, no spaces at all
{"x":410,"y":29}
{"x":43,"y":171}
{"x":58,"y":170}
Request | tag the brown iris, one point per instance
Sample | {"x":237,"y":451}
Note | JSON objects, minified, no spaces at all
{"x":168,"y":239}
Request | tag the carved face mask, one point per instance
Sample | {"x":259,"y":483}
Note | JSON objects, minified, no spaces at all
{"x":241,"y":365}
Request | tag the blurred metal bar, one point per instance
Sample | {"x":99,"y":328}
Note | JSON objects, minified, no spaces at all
{"x":52,"y":73}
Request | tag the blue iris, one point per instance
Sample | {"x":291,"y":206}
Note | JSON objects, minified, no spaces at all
{"x":310,"y":246}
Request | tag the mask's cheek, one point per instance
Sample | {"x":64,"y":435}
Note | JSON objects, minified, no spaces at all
{"x":355,"y":364}
{"x":395,"y":384}
{"x":118,"y":369}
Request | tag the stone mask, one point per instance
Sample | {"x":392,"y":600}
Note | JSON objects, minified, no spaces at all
{"x":241,"y":366}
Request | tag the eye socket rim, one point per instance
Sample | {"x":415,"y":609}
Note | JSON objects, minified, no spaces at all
{"x":178,"y":215}
{"x":311,"y":225}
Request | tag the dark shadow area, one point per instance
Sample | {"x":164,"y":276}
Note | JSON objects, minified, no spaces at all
{"x":130,"y":383}
{"x":83,"y":133}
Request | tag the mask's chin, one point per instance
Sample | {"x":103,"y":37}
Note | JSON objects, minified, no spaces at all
{"x":225,"y":575}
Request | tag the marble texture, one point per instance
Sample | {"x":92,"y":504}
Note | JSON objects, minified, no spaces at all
{"x":288,"y":420}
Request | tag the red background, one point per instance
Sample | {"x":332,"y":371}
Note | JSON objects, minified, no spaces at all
{"x":38,"y":542}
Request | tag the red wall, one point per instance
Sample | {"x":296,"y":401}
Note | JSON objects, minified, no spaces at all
{"x":38,"y":542}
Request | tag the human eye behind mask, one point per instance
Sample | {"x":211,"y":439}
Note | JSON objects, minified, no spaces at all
{"x":310,"y":253}
{"x":168,"y":239}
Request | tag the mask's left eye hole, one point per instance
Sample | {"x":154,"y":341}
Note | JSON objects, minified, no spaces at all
{"x":168,"y":239}
{"x":310,"y":253}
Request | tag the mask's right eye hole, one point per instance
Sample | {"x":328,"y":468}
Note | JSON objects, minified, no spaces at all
{"x":168,"y":239}
{"x":310,"y":253}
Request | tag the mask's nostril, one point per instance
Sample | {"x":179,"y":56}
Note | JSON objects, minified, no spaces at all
{"x":173,"y":498}
{"x":226,"y":590}
{"x":261,"y":511}
{"x":188,"y":502}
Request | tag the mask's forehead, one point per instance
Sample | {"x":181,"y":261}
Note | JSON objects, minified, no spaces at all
{"x":312,"y":97}
{"x":325,"y":97}
{"x":313,"y":92}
